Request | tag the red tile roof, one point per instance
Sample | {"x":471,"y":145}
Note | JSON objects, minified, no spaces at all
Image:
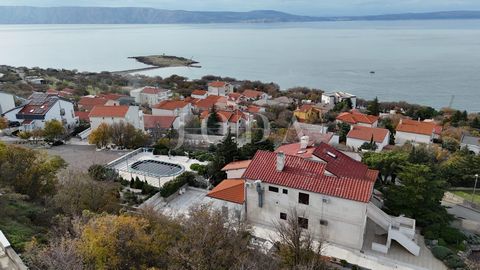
{"x":249,"y":93}
{"x":109,"y":111}
{"x":153,"y":90}
{"x":236,"y":165}
{"x":355,"y":117}
{"x":417,"y":127}
{"x":83,"y":116}
{"x":224,"y":116}
{"x":304,"y":174}
{"x":209,"y":102}
{"x":154,"y":121}
{"x":231,"y":190}
{"x":293,"y":149}
{"x":112,"y":96}
{"x":171,"y":105}
{"x":217,"y":84}
{"x":199,"y":92}
{"x":339,"y":163}
{"x":366,"y":133}
{"x":234,"y":96}
{"x":89,"y":102}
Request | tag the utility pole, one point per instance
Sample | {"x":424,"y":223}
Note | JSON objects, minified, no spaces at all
{"x":475,"y":186}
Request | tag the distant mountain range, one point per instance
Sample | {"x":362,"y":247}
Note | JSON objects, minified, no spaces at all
{"x":133,"y":15}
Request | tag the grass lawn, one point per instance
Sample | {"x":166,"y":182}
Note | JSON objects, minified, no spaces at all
{"x":467,"y":195}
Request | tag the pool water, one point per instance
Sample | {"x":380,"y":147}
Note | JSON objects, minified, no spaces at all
{"x":157,"y":168}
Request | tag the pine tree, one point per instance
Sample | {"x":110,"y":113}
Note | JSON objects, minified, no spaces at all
{"x":374,"y":107}
{"x":213,"y":124}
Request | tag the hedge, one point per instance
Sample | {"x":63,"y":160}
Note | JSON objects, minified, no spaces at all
{"x":441,"y":252}
{"x":173,"y":186}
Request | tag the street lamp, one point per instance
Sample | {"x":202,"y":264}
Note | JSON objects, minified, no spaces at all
{"x":475,"y":186}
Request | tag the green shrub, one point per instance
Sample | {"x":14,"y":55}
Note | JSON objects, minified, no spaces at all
{"x":344,"y":263}
{"x":200,"y":169}
{"x":442,"y":242}
{"x":441,"y":252}
{"x":173,"y":186}
{"x":101,"y":173}
{"x":454,"y":262}
{"x":450,"y":235}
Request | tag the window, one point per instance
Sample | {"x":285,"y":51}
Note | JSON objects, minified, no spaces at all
{"x":283,"y":216}
{"x":303,"y":198}
{"x":323,"y":222}
{"x":272,"y":189}
{"x":303,"y":222}
{"x":285,"y":191}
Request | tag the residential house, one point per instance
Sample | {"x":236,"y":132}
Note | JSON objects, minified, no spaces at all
{"x":417,"y":131}
{"x":178,"y":108}
{"x":40,"y":108}
{"x":236,"y":169}
{"x":116,"y":114}
{"x":332,"y":201}
{"x":113,"y":99}
{"x":150,"y":95}
{"x":472,"y":143}
{"x":235,"y":121}
{"x":207,"y":104}
{"x":154,"y":123}
{"x":65,"y":93}
{"x":199,"y":94}
{"x":229,"y":196}
{"x":35,"y":80}
{"x":338,"y":97}
{"x":306,"y":113}
{"x":354,"y":118}
{"x":218,"y":88}
{"x":87,"y":103}
{"x":7,"y":102}
{"x":255,"y":109}
{"x":359,"y":135}
{"x":252,"y":95}
{"x":233,"y":99}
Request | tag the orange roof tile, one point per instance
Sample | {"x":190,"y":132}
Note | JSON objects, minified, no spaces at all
{"x":199,"y":92}
{"x":249,"y":93}
{"x":153,"y":90}
{"x":254,"y":109}
{"x":171,"y":105}
{"x":304,"y":108}
{"x":230,"y":190}
{"x":209,"y":102}
{"x":155,"y":121}
{"x":234,"y":96}
{"x":357,"y":117}
{"x":83,"y":116}
{"x":366,"y":133}
{"x":417,"y":127}
{"x":217,"y":84}
{"x":293,"y":149}
{"x":90,"y":102}
{"x":109,"y":111}
{"x":236,"y":165}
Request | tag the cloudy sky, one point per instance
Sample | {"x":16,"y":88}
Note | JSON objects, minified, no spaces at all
{"x":305,"y":7}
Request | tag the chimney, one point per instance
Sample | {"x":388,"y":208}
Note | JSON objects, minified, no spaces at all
{"x":280,"y":161}
{"x":304,"y":142}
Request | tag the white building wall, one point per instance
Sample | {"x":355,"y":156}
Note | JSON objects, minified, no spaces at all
{"x":185,"y":111}
{"x":7,"y":102}
{"x":346,"y":218}
{"x":133,"y":116}
{"x":234,"y":174}
{"x":402,"y":137}
{"x":55,"y":113}
{"x":199,"y":96}
{"x":356,"y":143}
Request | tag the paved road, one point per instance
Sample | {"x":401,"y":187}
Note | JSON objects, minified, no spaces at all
{"x":462,"y":212}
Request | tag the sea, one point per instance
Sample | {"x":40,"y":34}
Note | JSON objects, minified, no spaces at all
{"x":435,"y":63}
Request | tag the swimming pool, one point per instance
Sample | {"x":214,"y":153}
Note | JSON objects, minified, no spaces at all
{"x":157,"y":168}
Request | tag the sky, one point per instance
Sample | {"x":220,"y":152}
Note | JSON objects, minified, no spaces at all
{"x":300,"y":7}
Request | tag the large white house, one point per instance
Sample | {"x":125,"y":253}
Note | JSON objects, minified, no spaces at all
{"x":416,"y":132}
{"x":331,"y":197}
{"x":218,"y":88}
{"x":41,"y":108}
{"x":359,"y":135}
{"x":337,"y":97}
{"x":178,"y":108}
{"x":7,"y":102}
{"x":116,"y":114}
{"x":150,"y":95}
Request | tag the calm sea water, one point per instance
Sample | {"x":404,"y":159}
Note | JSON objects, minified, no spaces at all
{"x":427,"y":62}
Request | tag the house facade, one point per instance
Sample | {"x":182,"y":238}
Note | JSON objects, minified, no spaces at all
{"x":41,"y":108}
{"x":359,"y":135}
{"x":177,"y":108}
{"x":338,"y":97}
{"x":151,"y":95}
{"x":7,"y":102}
{"x":116,"y":114}
{"x":416,"y":132}
{"x":199,"y":94}
{"x":252,"y":95}
{"x":236,"y":169}
{"x":218,"y":88}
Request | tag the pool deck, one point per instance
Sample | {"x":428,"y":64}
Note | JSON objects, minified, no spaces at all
{"x":125,"y":172}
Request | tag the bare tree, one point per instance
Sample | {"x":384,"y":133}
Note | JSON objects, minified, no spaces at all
{"x":297,"y":247}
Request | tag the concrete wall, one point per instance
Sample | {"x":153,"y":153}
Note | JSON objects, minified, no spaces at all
{"x":402,"y":137}
{"x":232,"y":174}
{"x":7,"y":102}
{"x":346,"y":219}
